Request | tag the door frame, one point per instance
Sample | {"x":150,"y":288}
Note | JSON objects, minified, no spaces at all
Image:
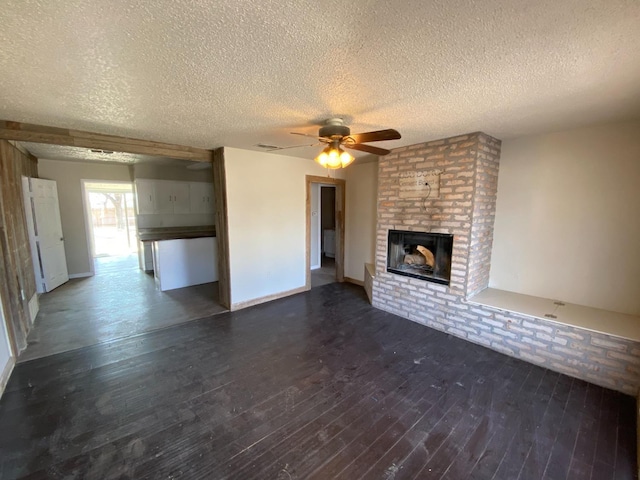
{"x":340,"y":209}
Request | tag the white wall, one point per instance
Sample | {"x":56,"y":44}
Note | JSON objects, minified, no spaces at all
{"x":68,"y":176}
{"x":568,"y":217}
{"x":360,"y":218}
{"x":266,"y":202}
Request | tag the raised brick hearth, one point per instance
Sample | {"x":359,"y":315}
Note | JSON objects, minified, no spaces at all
{"x":465,"y":207}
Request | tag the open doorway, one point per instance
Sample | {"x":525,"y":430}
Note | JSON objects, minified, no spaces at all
{"x":119,"y":299}
{"x":325,"y":230}
{"x":111,"y":225}
{"x":111,"y":218}
{"x":104,"y":302}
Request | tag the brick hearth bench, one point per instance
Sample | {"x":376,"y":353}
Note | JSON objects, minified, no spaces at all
{"x":599,"y":346}
{"x":596,"y":346}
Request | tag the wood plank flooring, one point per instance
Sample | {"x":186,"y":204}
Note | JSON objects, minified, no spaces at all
{"x":325,"y":274}
{"x":119,"y":301}
{"x":319,"y":385}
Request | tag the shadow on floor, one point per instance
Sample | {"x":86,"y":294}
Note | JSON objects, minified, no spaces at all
{"x":119,"y":301}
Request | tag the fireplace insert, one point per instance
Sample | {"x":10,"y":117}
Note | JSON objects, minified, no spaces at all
{"x":420,"y":255}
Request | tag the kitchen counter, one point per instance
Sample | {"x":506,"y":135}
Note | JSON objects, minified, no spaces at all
{"x":173,"y":233}
{"x":184,"y":262}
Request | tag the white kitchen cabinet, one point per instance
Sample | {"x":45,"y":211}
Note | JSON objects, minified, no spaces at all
{"x":172,"y":197}
{"x":145,"y":196}
{"x":201,"y":197}
{"x":181,"y":196}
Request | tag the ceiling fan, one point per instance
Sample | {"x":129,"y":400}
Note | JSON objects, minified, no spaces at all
{"x":335,"y":134}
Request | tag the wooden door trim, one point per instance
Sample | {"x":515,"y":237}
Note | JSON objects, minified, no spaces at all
{"x":340,"y":210}
{"x":222,"y":227}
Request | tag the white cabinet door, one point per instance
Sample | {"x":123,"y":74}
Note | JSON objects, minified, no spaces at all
{"x":181,"y":197}
{"x":196,"y":197}
{"x":202,"y":197}
{"x":209,"y":198}
{"x":145,"y":196}
{"x":164,"y":196}
{"x":172,"y":197}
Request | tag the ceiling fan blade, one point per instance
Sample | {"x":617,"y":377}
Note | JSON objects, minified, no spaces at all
{"x":366,"y":148}
{"x":378,"y":136}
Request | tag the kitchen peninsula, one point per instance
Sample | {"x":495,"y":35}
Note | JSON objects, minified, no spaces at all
{"x":175,"y":229}
{"x":180,"y":256}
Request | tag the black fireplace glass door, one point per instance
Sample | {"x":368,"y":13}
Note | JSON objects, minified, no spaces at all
{"x":420,"y":255}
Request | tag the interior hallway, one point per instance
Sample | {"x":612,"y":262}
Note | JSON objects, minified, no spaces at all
{"x":119,"y":301}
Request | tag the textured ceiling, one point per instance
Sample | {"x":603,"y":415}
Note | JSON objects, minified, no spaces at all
{"x":242,"y":72}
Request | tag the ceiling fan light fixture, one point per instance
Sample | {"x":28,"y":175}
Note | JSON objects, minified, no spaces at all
{"x":333,"y":157}
{"x":346,"y":158}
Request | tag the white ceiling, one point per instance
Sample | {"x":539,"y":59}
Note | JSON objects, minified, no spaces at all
{"x":241,"y":72}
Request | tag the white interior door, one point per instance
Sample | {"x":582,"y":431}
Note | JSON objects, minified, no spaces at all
{"x":45,"y":232}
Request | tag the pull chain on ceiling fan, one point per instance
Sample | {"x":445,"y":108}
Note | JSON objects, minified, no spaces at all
{"x":337,"y":135}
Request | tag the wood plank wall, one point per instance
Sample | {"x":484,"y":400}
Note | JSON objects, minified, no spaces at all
{"x":222,"y":227}
{"x":17,"y":281}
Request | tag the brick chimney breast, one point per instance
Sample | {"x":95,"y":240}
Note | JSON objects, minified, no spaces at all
{"x":464,"y":205}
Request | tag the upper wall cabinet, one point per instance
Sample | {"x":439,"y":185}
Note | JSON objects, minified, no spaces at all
{"x":145,"y":196}
{"x":201,"y":195}
{"x":172,"y":197}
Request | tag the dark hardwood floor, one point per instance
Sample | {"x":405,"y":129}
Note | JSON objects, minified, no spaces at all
{"x":119,"y":301}
{"x":319,"y":385}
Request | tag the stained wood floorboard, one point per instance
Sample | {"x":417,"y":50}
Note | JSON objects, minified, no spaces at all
{"x":120,"y":300}
{"x":317,"y":385}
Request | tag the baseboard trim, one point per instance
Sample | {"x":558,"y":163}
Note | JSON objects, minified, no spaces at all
{"x":267,"y":298}
{"x":6,"y":373}
{"x":80,"y":275}
{"x":354,"y":281}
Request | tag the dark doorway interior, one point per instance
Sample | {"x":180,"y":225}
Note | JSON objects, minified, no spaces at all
{"x":327,"y":271}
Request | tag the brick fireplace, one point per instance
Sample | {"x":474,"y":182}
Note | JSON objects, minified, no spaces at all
{"x":466,"y":170}
{"x":449,"y":187}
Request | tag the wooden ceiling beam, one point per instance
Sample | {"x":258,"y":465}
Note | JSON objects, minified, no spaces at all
{"x":26,"y":132}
